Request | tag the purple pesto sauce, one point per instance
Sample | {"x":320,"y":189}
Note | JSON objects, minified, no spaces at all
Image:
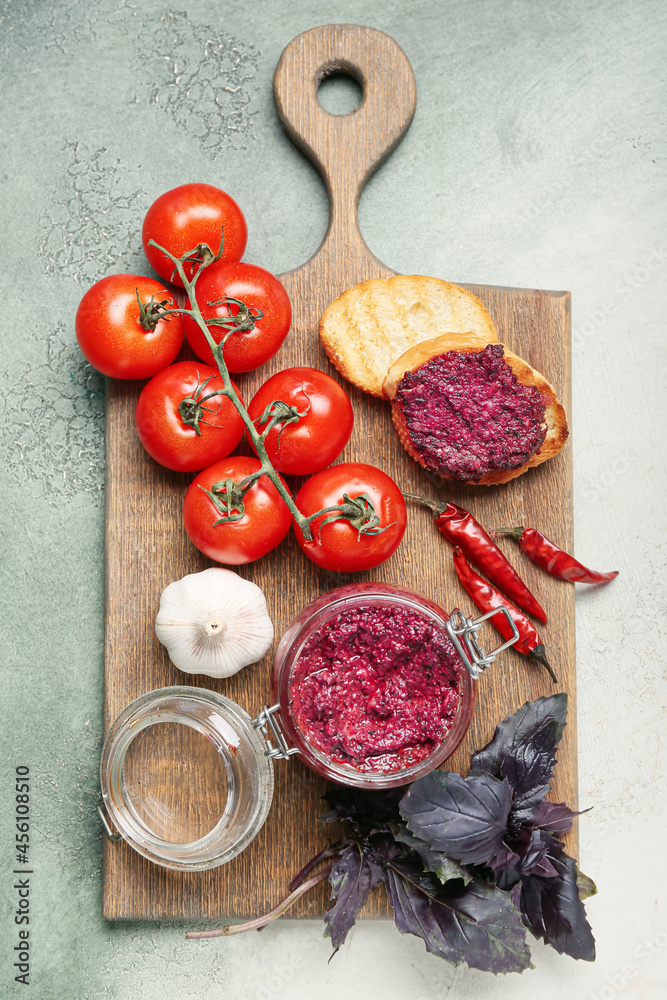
{"x":467,"y":414}
{"x":376,"y":688}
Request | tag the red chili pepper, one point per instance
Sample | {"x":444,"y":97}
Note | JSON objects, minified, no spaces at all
{"x":460,"y":528}
{"x":487,"y":598}
{"x":554,"y":560}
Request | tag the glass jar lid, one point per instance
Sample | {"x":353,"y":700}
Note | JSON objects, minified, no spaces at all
{"x":185,"y":778}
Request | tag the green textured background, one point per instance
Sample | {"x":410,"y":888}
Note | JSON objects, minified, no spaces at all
{"x":536,"y":158}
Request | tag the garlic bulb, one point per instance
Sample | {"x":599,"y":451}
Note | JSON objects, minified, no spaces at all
{"x":214,"y":623}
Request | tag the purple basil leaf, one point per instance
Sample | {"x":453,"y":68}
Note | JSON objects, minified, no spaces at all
{"x":555,"y":817}
{"x":434,"y":861}
{"x":518,"y":729}
{"x":384,"y":845}
{"x":525,"y":855}
{"x":465,"y":818}
{"x":352,"y":877}
{"x":552,"y":909}
{"x":507,"y":861}
{"x":544,"y":868}
{"x":532,"y":853}
{"x":477,"y":923}
{"x":529,"y":768}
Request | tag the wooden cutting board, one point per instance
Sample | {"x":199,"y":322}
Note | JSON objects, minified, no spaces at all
{"x":147,"y":548}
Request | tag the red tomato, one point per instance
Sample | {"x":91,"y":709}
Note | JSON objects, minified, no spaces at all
{"x":185,"y":217}
{"x":169,"y":434}
{"x":109,"y":330}
{"x":338,"y":545}
{"x":264,"y":524}
{"x":258,"y":290}
{"x":322,"y":430}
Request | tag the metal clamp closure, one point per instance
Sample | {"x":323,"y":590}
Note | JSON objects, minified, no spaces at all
{"x":268,"y":724}
{"x":105,"y":821}
{"x":463,"y":631}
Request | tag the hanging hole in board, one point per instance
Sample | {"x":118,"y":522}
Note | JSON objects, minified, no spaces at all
{"x":340,"y":93}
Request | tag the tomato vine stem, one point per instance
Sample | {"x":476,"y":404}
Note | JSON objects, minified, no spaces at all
{"x":216,"y":349}
{"x":227,"y":497}
{"x":151,"y":312}
{"x":280,"y":414}
{"x":191,"y":408}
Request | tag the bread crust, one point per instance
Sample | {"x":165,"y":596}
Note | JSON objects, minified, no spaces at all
{"x":366,"y":328}
{"x":554,"y":415}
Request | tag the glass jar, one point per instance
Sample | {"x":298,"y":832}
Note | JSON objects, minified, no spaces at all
{"x":315,"y":617}
{"x":187,"y":775}
{"x":185,"y":778}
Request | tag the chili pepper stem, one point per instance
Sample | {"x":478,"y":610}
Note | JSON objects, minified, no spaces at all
{"x":259,"y":922}
{"x":539,"y":654}
{"x":433,"y":505}
{"x":514,"y":532}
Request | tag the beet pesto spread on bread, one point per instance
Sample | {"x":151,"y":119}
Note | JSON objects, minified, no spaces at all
{"x":467,"y":415}
{"x":473,"y":411}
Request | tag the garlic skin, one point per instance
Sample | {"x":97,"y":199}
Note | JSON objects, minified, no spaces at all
{"x":213,"y":623}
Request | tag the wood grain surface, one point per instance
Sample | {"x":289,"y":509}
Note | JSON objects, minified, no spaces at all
{"x":147,"y":548}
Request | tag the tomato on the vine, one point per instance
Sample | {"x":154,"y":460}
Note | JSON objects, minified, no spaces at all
{"x":259,"y":291}
{"x":229,"y":528}
{"x":121,"y":330}
{"x":311,"y":420}
{"x":182,"y":420}
{"x":374,"y":521}
{"x":187,"y":217}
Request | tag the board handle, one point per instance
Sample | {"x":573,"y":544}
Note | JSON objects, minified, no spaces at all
{"x":346,"y":149}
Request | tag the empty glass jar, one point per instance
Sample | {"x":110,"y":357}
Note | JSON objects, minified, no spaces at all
{"x":185,"y":778}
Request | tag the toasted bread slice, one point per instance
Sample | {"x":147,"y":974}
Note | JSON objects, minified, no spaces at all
{"x":366,"y":328}
{"x":416,"y":357}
